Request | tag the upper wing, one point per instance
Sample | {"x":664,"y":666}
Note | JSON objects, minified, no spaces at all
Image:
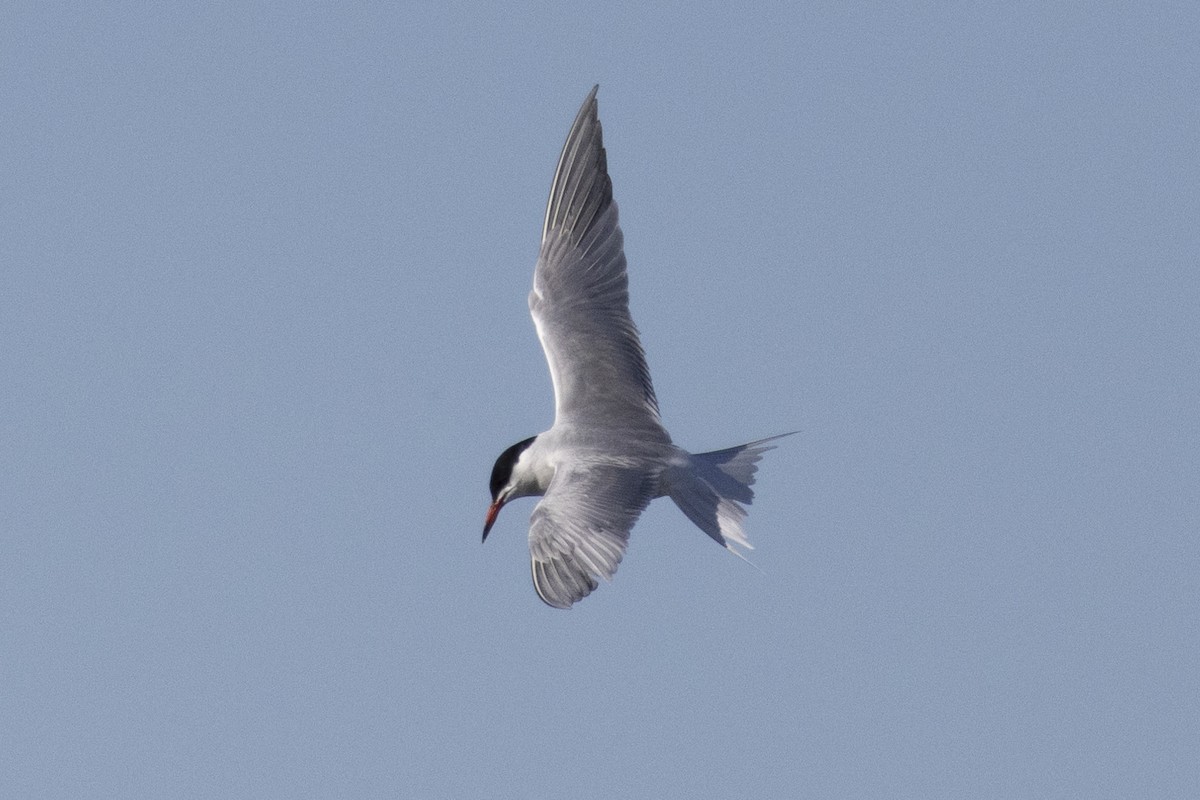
{"x":580,"y":298}
{"x":579,"y":529}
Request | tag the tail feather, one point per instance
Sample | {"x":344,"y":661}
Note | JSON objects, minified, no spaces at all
{"x":711,"y":489}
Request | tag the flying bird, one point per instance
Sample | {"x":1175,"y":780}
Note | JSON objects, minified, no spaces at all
{"x":607,"y":454}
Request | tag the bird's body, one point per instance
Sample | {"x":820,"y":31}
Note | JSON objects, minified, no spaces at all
{"x":607,"y":455}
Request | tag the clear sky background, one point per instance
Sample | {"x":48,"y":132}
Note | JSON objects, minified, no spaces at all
{"x":263,"y":277}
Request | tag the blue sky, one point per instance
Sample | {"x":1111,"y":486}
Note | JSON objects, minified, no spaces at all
{"x":263,"y":305}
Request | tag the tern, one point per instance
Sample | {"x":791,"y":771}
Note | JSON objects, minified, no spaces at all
{"x":607,"y":454}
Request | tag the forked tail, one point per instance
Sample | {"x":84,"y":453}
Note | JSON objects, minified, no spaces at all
{"x":712,"y":489}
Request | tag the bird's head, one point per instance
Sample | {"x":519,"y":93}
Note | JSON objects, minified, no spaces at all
{"x":505,"y":481}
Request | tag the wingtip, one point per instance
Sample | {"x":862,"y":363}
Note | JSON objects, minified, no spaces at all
{"x":582,"y":156}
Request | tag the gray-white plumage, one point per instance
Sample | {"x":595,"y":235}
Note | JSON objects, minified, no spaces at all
{"x":607,"y":455}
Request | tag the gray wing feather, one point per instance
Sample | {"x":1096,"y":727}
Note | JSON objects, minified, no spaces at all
{"x":580,"y":298}
{"x":579,"y":530}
